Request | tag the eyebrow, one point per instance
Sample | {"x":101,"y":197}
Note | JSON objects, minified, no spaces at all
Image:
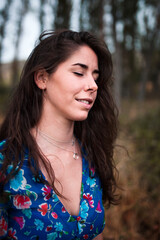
{"x":85,"y":67}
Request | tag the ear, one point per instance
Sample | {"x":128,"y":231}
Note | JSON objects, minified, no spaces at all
{"x":41,"y":78}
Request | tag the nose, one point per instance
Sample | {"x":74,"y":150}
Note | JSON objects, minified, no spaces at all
{"x":91,"y":84}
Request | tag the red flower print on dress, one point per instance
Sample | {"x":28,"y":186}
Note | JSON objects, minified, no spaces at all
{"x":44,"y":208}
{"x":89,"y":198}
{"x":85,"y":236}
{"x":47,"y":192}
{"x":3,"y":226}
{"x":21,"y":201}
{"x":54,"y":215}
{"x":63,"y":209}
{"x":98,"y":209}
{"x":20,"y":221}
{"x":2,"y":176}
{"x":92,"y":171}
{"x":12,"y":233}
{"x":49,"y":228}
{"x":91,"y":227}
{"x":78,"y":219}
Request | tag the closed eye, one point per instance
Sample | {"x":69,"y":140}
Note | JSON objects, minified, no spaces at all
{"x":77,"y":73}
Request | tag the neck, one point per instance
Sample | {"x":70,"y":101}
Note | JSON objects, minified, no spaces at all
{"x":61,"y":131}
{"x":58,"y":132}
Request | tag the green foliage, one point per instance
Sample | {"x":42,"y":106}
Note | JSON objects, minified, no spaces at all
{"x":146,"y":133}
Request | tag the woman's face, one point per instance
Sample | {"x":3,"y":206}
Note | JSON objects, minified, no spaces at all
{"x":71,"y":90}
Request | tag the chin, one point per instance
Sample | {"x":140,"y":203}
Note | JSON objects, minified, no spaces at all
{"x":81,"y":118}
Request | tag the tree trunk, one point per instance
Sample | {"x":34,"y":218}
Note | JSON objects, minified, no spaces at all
{"x":63,"y":14}
{"x":15,"y":65}
{"x":4,"y":15}
{"x":118,"y":75}
{"x":117,"y":57}
{"x":42,"y":15}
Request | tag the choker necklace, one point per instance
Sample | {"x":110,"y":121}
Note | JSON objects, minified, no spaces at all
{"x":54,"y":142}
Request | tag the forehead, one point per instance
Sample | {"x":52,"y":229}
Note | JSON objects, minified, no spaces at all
{"x":84,"y":54}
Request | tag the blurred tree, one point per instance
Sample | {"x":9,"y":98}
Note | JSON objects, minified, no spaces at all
{"x":4,"y":17}
{"x":22,"y":10}
{"x":84,"y":16}
{"x":150,"y":48}
{"x":42,"y":15}
{"x":63,"y":9}
{"x":130,"y":28}
{"x":123,"y":33}
{"x":96,"y":15}
{"x":116,"y":12}
{"x":92,"y":17}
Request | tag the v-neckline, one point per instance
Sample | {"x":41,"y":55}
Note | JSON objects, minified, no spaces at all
{"x":81,"y":191}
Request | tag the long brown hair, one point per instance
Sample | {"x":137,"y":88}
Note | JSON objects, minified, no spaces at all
{"x":97,"y":133}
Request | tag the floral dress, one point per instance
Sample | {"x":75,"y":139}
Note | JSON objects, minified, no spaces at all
{"x":32,"y":209}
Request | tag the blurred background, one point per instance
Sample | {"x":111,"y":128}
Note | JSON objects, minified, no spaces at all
{"x":131,"y":30}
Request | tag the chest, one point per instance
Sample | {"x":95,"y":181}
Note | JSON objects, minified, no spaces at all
{"x":70,"y":187}
{"x":68,"y":182}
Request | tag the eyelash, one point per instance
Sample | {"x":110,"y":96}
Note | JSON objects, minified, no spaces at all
{"x":77,"y":73}
{"x":81,"y":75}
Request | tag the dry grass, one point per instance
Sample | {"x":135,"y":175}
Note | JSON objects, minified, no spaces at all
{"x":123,"y":222}
{"x":121,"y":219}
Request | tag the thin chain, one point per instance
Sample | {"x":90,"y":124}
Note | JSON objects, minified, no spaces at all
{"x":75,"y":154}
{"x":55,"y":140}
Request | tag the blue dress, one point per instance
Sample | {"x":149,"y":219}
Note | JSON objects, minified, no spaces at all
{"x":32,"y":210}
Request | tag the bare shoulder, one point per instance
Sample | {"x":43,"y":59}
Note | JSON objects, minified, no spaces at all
{"x":99,"y":237}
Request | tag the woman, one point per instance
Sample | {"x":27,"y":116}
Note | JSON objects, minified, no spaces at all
{"x":57,"y":142}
